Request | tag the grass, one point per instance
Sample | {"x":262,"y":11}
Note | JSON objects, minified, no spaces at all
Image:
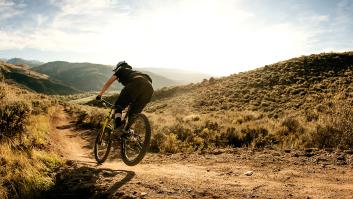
{"x":297,"y":103}
{"x":27,"y":162}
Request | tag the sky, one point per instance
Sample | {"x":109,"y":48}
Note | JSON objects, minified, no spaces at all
{"x":218,"y":37}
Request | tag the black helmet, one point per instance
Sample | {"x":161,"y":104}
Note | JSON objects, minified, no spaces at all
{"x":122,"y":64}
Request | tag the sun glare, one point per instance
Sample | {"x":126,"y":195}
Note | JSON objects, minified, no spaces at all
{"x":201,"y":36}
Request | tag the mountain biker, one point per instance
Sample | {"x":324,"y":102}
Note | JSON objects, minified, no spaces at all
{"x":137,"y":91}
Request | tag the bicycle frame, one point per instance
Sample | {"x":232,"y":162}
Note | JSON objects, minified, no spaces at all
{"x":110,"y":116}
{"x":107,"y":118}
{"x":133,"y":147}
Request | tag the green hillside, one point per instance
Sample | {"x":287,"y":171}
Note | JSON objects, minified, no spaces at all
{"x":33,"y":80}
{"x":90,"y":77}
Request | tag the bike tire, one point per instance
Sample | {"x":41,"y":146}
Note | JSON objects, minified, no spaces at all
{"x":100,"y":158}
{"x":147,"y":138}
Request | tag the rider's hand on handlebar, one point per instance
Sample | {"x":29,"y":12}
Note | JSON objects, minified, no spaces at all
{"x":98,"y":97}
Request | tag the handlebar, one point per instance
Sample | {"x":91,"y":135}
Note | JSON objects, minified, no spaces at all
{"x":105,"y":103}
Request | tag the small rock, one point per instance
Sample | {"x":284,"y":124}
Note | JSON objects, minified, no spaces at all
{"x":217,"y":152}
{"x":143,"y":194}
{"x":108,"y":173}
{"x":287,"y":150}
{"x":276,"y":154}
{"x":341,"y":157}
{"x":248,"y":173}
{"x":309,"y":154}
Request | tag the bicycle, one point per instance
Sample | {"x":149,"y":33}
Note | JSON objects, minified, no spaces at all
{"x":134,"y":137}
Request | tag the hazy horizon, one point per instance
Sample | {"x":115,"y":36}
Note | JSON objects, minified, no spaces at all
{"x":213,"y":37}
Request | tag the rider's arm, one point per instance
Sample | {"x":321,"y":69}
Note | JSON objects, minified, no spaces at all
{"x":107,"y":84}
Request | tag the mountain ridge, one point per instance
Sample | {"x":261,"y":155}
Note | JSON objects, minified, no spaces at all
{"x":80,"y":75}
{"x":29,"y":63}
{"x":32,"y":80}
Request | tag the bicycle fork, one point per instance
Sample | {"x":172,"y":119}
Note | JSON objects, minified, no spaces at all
{"x":105,"y":123}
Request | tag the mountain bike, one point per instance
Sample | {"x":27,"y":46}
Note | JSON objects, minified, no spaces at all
{"x":134,"y":138}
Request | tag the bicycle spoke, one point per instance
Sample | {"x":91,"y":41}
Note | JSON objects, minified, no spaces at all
{"x":135,"y":146}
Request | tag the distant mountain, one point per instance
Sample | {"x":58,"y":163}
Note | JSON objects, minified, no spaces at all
{"x":90,"y":77}
{"x":32,"y":80}
{"x":178,"y":75}
{"x":29,"y":63}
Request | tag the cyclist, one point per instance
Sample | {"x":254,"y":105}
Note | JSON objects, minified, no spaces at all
{"x":137,"y":91}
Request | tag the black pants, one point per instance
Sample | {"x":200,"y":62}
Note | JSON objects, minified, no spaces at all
{"x":136,"y":94}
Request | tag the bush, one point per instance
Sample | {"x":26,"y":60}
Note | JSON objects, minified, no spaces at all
{"x":292,"y":124}
{"x":325,"y":137}
{"x":344,"y":123}
{"x":40,"y":106}
{"x":337,"y":130}
{"x":171,"y":144}
{"x":13,"y":116}
{"x":231,"y":138}
{"x":156,"y":141}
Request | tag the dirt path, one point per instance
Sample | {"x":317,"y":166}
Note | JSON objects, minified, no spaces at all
{"x":275,"y":174}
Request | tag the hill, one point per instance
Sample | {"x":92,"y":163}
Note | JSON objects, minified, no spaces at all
{"x":90,"y":77}
{"x":28,"y":158}
{"x":180,"y":76}
{"x":29,"y":63}
{"x":297,"y":103}
{"x":43,"y":153}
{"x":301,"y":83}
{"x":22,"y":75}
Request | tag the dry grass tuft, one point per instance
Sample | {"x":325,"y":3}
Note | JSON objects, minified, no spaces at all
{"x":27,"y":164}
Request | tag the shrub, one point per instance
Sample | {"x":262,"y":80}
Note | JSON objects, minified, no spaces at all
{"x":344,"y":123}
{"x":13,"y":116}
{"x":181,"y":131}
{"x":326,"y":136}
{"x":231,"y":138}
{"x":292,"y":125}
{"x":156,"y":141}
{"x":337,"y":130}
{"x":171,"y":144}
{"x":250,"y":134}
{"x":40,"y":106}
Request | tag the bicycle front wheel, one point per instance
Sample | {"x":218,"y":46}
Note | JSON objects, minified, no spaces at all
{"x":135,"y":144}
{"x":102,"y":144}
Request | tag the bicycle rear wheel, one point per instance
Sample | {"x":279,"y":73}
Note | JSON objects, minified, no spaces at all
{"x":102,"y":144}
{"x":135,"y":144}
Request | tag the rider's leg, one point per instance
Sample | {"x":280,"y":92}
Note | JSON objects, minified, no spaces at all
{"x":141,"y":101}
{"x":121,"y":103}
{"x":127,"y":95}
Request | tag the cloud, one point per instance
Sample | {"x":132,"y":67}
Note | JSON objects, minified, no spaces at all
{"x":218,"y":37}
{"x":9,"y":9}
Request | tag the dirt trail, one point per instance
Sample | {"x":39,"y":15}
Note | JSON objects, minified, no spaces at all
{"x":276,"y":174}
